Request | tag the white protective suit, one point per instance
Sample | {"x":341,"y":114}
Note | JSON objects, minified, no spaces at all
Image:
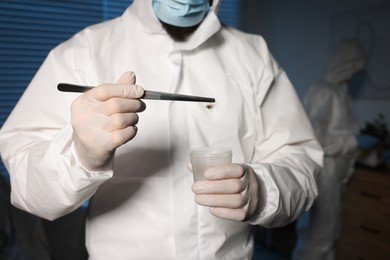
{"x":330,"y":110}
{"x":144,"y":207}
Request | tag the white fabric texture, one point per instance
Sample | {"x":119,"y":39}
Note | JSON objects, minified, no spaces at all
{"x":143,"y":207}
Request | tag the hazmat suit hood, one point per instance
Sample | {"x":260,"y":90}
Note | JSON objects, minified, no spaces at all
{"x":348,"y":58}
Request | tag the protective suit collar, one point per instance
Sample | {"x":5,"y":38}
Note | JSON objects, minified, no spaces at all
{"x":147,"y":21}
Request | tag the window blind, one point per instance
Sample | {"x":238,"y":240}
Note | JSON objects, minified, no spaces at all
{"x":230,"y":13}
{"x":30,"y":29}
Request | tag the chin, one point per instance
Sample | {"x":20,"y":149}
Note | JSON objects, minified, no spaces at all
{"x":179,"y":34}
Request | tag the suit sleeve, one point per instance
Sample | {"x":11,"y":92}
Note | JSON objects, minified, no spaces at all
{"x":287,"y":156}
{"x":36,"y":141}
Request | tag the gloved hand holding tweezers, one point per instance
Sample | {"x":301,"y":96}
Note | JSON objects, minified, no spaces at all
{"x":105,"y":118}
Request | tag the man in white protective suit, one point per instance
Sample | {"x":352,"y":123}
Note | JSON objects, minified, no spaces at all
{"x":130,"y":157}
{"x":331,"y":112}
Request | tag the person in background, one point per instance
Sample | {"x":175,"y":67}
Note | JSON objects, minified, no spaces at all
{"x":129,"y":157}
{"x":330,"y":110}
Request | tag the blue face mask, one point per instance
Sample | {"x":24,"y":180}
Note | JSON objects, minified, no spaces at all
{"x":181,"y":13}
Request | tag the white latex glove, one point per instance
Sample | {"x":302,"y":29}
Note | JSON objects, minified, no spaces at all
{"x":231,"y":191}
{"x":105,"y":118}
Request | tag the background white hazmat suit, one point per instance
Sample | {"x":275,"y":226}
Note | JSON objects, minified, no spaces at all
{"x":142,"y":206}
{"x":330,"y":110}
